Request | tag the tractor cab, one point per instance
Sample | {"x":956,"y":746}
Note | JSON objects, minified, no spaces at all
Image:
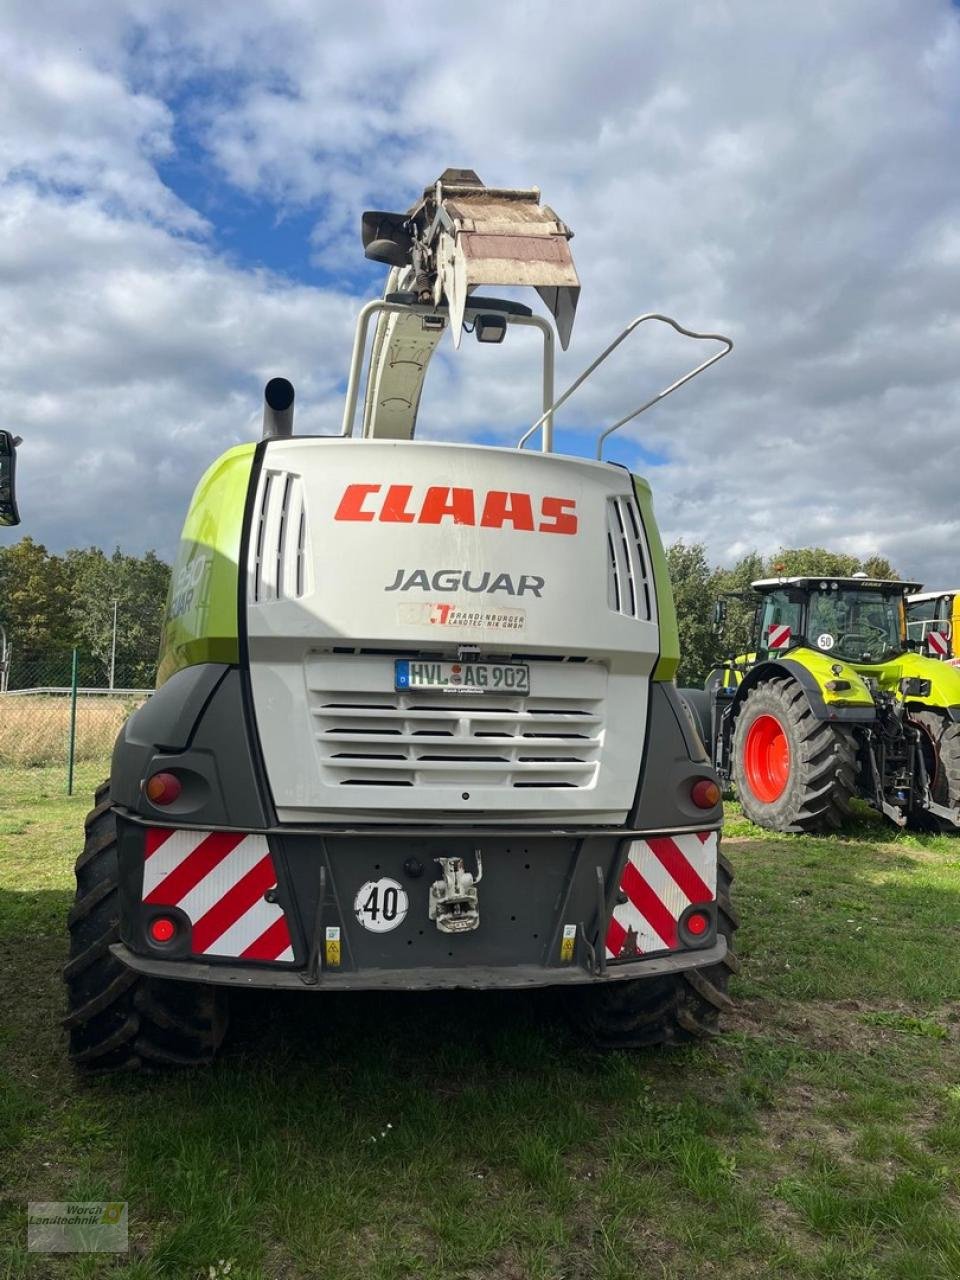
{"x":859,"y":620}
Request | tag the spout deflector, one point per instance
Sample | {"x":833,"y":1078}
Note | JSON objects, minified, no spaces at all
{"x":461,"y":234}
{"x":499,"y":237}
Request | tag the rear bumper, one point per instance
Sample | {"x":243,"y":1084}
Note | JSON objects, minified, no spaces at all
{"x":480,"y":978}
{"x":248,"y":909}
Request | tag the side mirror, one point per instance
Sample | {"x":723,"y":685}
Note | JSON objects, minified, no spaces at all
{"x":9,"y":514}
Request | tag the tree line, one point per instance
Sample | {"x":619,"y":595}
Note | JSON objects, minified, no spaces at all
{"x":51,"y":603}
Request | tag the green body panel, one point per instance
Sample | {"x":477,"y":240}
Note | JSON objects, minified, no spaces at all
{"x":823,"y":668}
{"x":944,"y":679}
{"x":666,"y":668}
{"x":200,"y":623}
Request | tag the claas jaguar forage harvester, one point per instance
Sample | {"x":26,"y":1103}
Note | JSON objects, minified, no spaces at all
{"x":415,"y":723}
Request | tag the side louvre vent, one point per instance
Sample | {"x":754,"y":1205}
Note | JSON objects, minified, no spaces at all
{"x":629,"y":590}
{"x":278,"y":545}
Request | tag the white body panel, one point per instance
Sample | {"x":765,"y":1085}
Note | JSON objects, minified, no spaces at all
{"x":367,"y":575}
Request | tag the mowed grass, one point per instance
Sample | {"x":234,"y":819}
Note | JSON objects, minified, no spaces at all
{"x":475,"y":1136}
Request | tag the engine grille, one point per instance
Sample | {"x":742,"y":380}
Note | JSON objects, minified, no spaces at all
{"x":278,"y":550}
{"x":379,"y":738}
{"x":628,"y":581}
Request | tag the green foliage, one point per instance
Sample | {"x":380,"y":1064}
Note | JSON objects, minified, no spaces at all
{"x":34,"y":596}
{"x":694,"y":596}
{"x":909,"y":1025}
{"x":49,"y":603}
{"x":734,"y":585}
{"x":139,"y":587}
{"x":797,"y":561}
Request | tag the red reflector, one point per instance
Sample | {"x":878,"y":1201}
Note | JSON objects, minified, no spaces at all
{"x":163,"y":788}
{"x":697,"y":923}
{"x":161,"y":929}
{"x":705,"y":793}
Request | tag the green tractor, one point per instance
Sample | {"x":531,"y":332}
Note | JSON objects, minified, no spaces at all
{"x":834,"y":703}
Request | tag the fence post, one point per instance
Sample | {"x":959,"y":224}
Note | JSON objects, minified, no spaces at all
{"x":73,"y":723}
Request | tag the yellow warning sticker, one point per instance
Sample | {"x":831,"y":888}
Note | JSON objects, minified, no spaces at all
{"x":332,"y":947}
{"x":567,"y":943}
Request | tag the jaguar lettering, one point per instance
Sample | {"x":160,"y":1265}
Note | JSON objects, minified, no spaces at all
{"x":450,"y":581}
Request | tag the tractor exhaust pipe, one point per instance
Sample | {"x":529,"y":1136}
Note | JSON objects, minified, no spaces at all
{"x":278,"y":409}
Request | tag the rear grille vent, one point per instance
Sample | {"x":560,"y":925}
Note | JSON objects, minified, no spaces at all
{"x":418,"y":739}
{"x":628,"y":582}
{"x":278,"y":549}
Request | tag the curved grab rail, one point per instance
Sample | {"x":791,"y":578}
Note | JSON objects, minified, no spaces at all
{"x":651,"y":315}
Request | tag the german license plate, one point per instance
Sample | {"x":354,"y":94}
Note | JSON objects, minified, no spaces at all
{"x":461,"y":677}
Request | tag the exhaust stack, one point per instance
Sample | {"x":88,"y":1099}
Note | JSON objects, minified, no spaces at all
{"x":278,"y":397}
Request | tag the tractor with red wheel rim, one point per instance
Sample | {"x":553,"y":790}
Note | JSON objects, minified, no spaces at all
{"x":834,"y":703}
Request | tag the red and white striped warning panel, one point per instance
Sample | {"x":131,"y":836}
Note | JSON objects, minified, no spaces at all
{"x":661,"y":878}
{"x":938,"y":644}
{"x":778,"y":636}
{"x":218,"y":879}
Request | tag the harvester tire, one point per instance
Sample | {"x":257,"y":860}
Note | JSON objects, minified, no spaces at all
{"x":941,"y":752}
{"x":792,"y":772}
{"x":638,"y":1013}
{"x":116,"y":1018}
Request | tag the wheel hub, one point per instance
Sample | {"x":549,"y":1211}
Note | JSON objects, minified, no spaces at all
{"x":766,"y":759}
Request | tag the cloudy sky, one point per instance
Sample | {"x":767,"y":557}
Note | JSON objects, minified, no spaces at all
{"x":180,"y":192}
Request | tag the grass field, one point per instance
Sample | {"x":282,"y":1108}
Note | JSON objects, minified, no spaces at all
{"x":35,"y":730}
{"x":474,"y":1136}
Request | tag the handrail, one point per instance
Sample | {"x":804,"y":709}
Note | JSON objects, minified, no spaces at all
{"x":651,"y":315}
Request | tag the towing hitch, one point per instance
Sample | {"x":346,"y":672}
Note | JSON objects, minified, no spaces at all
{"x":454,"y":903}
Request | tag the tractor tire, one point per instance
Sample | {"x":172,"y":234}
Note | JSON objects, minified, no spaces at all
{"x":940,"y":742}
{"x":116,"y":1018}
{"x":638,"y":1013}
{"x":793,"y":772}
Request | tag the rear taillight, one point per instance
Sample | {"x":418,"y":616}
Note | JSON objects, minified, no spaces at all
{"x":163,"y":788}
{"x":161,"y":929}
{"x":697,"y":923}
{"x":705,"y":793}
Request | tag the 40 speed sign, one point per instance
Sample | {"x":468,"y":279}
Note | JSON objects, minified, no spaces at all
{"x":380,"y":905}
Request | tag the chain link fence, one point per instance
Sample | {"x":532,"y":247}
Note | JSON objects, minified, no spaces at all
{"x":55,"y":709}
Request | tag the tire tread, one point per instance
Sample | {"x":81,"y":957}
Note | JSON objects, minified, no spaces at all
{"x":678,"y":1009}
{"x":117,"y":1019}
